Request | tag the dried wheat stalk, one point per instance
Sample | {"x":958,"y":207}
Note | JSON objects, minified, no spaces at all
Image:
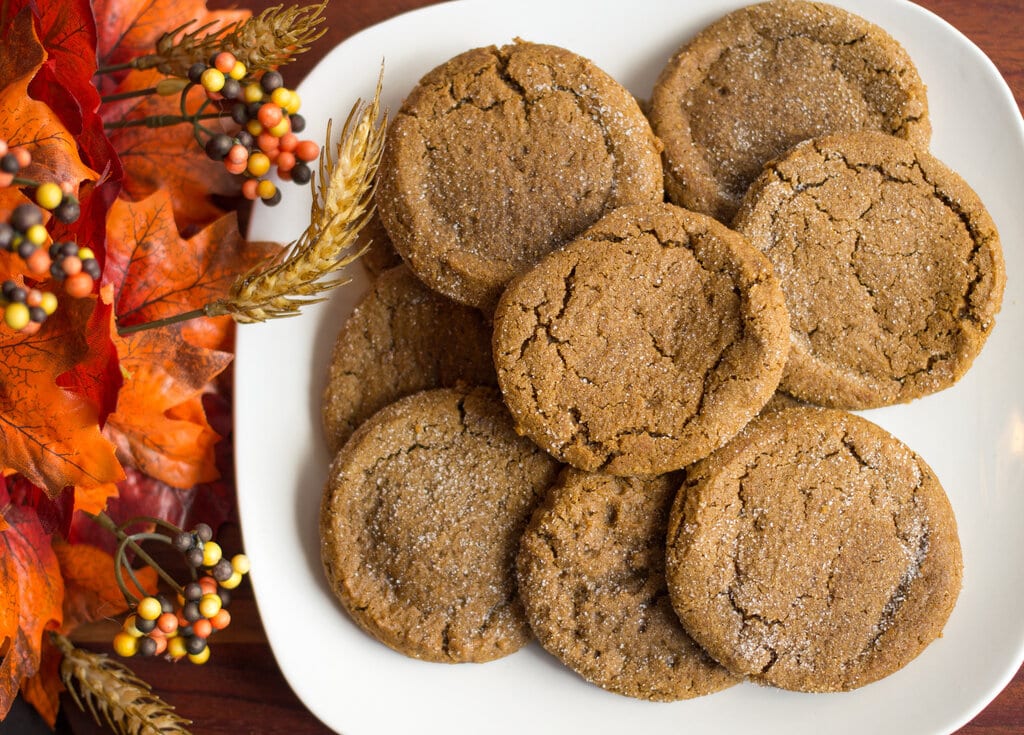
{"x":106,"y":688}
{"x":342,"y":203}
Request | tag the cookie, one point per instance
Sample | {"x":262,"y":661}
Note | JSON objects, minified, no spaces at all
{"x":766,"y":77}
{"x":892,"y":268}
{"x":591,"y":570}
{"x":643,"y":345}
{"x":814,"y":552}
{"x":379,"y":254}
{"x":501,"y":154}
{"x":401,"y":338}
{"x":421,"y":519}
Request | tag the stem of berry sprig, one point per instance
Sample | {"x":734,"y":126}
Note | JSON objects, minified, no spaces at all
{"x":156,"y":625}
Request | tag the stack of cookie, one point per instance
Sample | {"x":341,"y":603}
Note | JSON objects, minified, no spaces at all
{"x":558,"y":415}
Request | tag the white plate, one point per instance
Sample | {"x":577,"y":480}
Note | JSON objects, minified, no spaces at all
{"x":972,"y":434}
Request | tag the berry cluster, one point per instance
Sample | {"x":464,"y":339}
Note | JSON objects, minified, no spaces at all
{"x":25,"y":309}
{"x":159,"y":627}
{"x":267,"y":112}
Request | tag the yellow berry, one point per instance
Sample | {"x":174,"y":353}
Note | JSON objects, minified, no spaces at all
{"x":16,"y":316}
{"x":253,"y":93}
{"x":266,"y":189}
{"x":176,"y":648}
{"x":200,"y":658}
{"x":259,"y":164}
{"x":240,"y":563}
{"x":233,"y":581}
{"x":282,"y":128}
{"x":48,"y":302}
{"x":294,"y":103}
{"x":129,"y":627}
{"x":149,"y":608}
{"x":281,"y":97}
{"x":36,"y":234}
{"x":237,"y":71}
{"x":211,"y":549}
{"x":85,"y":253}
{"x":254,"y":127}
{"x":125,"y":644}
{"x":48,"y":195}
{"x":212,"y":80}
{"x":209,"y":604}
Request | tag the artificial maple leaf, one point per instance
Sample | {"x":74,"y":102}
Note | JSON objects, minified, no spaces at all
{"x":159,"y":425}
{"x":31,"y":596}
{"x":47,"y":433}
{"x":28,"y":122}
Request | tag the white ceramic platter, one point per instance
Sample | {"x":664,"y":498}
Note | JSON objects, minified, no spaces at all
{"x":972,"y":434}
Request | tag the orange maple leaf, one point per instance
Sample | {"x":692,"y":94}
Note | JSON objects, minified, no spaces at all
{"x":159,"y":425}
{"x":31,"y":595}
{"x":27,"y":122}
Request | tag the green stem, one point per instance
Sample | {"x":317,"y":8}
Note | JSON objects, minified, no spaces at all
{"x":128,"y":95}
{"x":129,"y":541}
{"x":160,"y":121}
{"x":114,"y":68}
{"x":208,"y":310}
{"x":20,"y":181}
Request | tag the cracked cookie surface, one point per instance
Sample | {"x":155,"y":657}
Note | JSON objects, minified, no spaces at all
{"x":814,"y":552}
{"x":421,"y":519}
{"x":766,"y":77}
{"x":591,"y":571}
{"x":401,"y":338}
{"x":500,"y":155}
{"x":643,"y":345}
{"x":892,"y":268}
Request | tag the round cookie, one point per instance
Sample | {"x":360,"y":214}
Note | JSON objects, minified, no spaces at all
{"x":401,"y":338}
{"x":379,"y":254}
{"x":892,"y":268}
{"x":591,"y":571}
{"x":421,"y":519}
{"x":814,"y":552}
{"x":643,"y":345}
{"x":500,"y":155}
{"x":766,"y":77}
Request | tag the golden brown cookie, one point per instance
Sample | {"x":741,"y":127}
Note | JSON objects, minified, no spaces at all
{"x":643,"y":345}
{"x":591,"y":571}
{"x":814,"y":552}
{"x":401,"y":338}
{"x":379,"y":254}
{"x":500,"y":155}
{"x":892,"y":268}
{"x":421,"y":520}
{"x":765,"y":77}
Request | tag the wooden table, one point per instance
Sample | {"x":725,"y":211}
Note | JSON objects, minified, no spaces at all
{"x":241,"y":690}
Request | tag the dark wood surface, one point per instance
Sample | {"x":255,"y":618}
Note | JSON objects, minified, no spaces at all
{"x":241,"y":690}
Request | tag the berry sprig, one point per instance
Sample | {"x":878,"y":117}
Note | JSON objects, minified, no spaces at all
{"x":268,"y":115}
{"x":182,"y":628}
{"x":25,"y":308}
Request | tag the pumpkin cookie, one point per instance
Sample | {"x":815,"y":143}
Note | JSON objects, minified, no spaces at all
{"x":767,"y":77}
{"x":592,"y":580}
{"x":421,"y":520}
{"x":814,"y":552}
{"x":500,"y":155}
{"x":401,"y":338}
{"x":892,"y":268}
{"x":643,"y":345}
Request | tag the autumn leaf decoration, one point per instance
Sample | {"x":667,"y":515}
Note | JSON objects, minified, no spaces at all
{"x":122,"y":281}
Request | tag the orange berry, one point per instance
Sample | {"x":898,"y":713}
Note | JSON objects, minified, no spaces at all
{"x":307,"y":150}
{"x":285,"y":175}
{"x":285,"y":161}
{"x":5,"y":179}
{"x":272,"y":155}
{"x":79,"y":285}
{"x":34,"y":297}
{"x":22,"y":156}
{"x":269,"y":115}
{"x":221,"y":620}
{"x":167,"y":622}
{"x":71,"y":264}
{"x":30,"y":328}
{"x":3,"y":147}
{"x":237,"y":153}
{"x":235,"y":168}
{"x":249,"y":189}
{"x":161,"y":645}
{"x":39,"y":264}
{"x":208,"y":584}
{"x":266,"y":142}
{"x":203,"y":627}
{"x":288,"y":142}
{"x":67,"y":187}
{"x":224,"y":61}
